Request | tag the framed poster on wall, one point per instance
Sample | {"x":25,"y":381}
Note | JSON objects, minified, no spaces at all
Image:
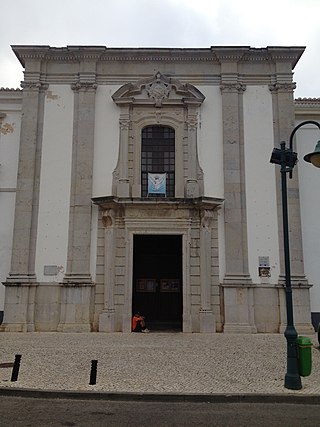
{"x":146,"y":285}
{"x":170,"y":285}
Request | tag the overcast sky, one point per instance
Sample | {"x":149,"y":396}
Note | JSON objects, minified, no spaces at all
{"x":165,"y":23}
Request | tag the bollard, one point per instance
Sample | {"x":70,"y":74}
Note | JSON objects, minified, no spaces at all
{"x":16,"y":367}
{"x":93,"y":373}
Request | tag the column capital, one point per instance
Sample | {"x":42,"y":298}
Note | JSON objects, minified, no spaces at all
{"x":124,"y":123}
{"x":84,"y":86}
{"x":282,"y":87}
{"x":207,"y":218}
{"x":232,"y":87}
{"x":108,"y":218}
{"x":192,"y":122}
{"x":34,"y":85}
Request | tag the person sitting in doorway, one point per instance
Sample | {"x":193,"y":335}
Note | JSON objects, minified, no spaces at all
{"x":138,"y":323}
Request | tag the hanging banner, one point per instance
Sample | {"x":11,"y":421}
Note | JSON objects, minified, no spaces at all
{"x":157,"y":183}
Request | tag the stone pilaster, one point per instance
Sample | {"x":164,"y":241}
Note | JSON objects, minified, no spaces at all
{"x":107,"y":316}
{"x":21,"y":282}
{"x":123,"y":182}
{"x":77,"y":283}
{"x":238,"y":308}
{"x":207,"y":319}
{"x":283,"y":110}
{"x":192,"y":189}
{"x":78,"y":266}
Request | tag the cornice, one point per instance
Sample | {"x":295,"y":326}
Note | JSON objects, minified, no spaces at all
{"x":250,"y":54}
{"x":103,"y":53}
{"x":112,"y":202}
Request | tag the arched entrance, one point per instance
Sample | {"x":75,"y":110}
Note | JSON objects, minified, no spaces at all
{"x":157,"y":280}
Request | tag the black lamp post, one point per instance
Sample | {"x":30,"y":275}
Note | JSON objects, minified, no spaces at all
{"x":287,"y":158}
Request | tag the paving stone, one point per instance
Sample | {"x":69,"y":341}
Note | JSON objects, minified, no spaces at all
{"x":154,"y":362}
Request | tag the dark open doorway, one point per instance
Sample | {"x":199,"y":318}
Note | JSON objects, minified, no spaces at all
{"x":157,"y":280}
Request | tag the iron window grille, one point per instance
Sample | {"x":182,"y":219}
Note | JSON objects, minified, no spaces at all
{"x":158,"y":156}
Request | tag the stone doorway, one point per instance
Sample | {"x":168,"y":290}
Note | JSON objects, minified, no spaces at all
{"x":157,"y":280}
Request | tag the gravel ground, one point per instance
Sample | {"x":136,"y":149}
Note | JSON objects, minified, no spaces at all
{"x":154,"y":362}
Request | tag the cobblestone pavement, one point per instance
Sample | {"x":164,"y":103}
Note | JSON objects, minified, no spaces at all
{"x":153,"y":363}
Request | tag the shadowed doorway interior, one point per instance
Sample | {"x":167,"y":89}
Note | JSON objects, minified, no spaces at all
{"x":157,"y":280}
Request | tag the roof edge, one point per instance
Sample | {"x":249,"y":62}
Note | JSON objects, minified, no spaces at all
{"x":218,"y":53}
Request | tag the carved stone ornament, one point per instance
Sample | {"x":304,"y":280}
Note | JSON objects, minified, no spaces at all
{"x":124,"y":123}
{"x":158,"y":90}
{"x":84,"y":86}
{"x":108,"y":218}
{"x":282,"y":87}
{"x":30,"y":85}
{"x":192,"y":122}
{"x":207,"y":218}
{"x":232,"y":87}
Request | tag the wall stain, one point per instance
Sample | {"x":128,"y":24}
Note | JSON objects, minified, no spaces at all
{"x":7,"y":128}
{"x":51,"y":96}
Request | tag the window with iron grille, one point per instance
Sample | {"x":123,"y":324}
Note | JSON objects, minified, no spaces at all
{"x":158,"y":156}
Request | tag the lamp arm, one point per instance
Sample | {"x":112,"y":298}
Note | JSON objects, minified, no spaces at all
{"x":307,"y":122}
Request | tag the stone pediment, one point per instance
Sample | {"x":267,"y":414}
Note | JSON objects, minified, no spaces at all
{"x":158,"y":90}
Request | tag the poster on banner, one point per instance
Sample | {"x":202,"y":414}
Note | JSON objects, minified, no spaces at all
{"x":157,"y":183}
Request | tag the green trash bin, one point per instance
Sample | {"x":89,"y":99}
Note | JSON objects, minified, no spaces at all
{"x":304,"y":356}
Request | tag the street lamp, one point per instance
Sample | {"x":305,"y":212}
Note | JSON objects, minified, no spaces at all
{"x":287,"y":159}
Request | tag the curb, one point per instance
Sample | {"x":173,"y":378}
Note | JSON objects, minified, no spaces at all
{"x":162,"y":397}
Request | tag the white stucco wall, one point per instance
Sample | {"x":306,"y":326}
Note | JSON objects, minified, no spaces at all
{"x":106,"y":140}
{"x":7,"y":204}
{"x":309,"y":181}
{"x":210,"y":152}
{"x":55,"y":177}
{"x":260,"y":181}
{"x":9,"y":152}
{"x":210,"y":141}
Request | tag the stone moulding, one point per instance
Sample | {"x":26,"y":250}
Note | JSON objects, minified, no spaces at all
{"x":103,"y":53}
{"x":108,"y":202}
{"x":158,"y":88}
{"x":282,"y":87}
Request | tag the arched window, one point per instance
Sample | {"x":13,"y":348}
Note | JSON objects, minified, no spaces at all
{"x":158,"y":157}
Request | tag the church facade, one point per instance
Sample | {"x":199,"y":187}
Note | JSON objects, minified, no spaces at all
{"x":139,"y":180}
